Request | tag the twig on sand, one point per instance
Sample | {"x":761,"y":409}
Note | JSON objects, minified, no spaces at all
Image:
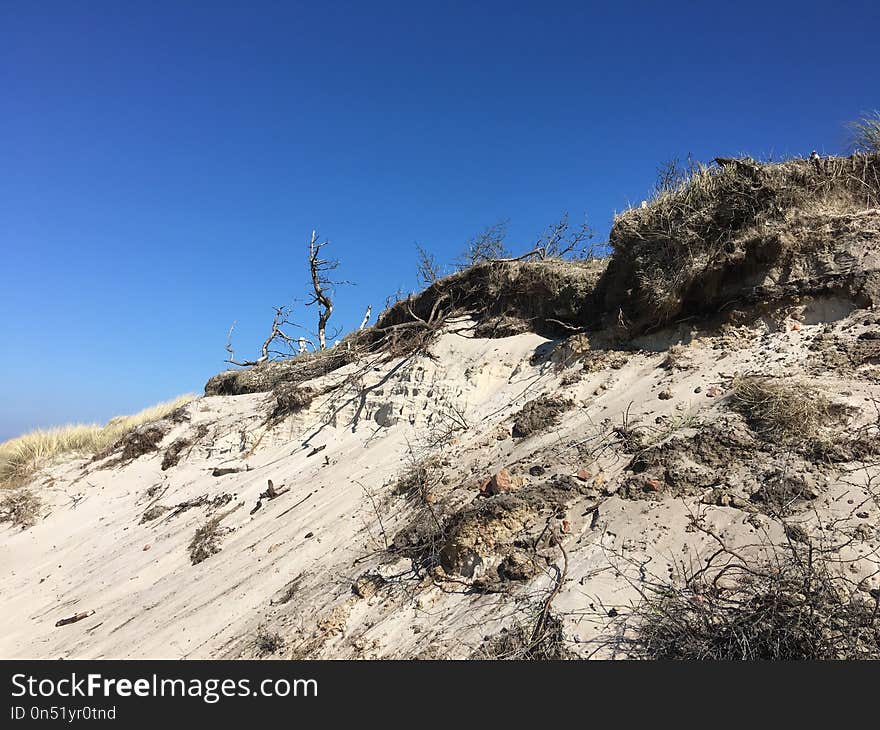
{"x":73,"y":619}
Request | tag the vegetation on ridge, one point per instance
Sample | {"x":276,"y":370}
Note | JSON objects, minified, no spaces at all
{"x":20,"y":457}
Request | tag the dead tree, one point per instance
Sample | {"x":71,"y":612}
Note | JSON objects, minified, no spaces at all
{"x":322,"y":290}
{"x":281,"y":319}
{"x":322,"y":286}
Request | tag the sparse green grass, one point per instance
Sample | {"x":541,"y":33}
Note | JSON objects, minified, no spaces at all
{"x":21,"y":457}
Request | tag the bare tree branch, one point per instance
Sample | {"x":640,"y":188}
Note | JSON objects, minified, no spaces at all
{"x":561,"y":241}
{"x":281,"y":319}
{"x":488,"y":245}
{"x":428,"y":269}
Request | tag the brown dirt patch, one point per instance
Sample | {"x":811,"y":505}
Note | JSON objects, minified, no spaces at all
{"x":539,"y":415}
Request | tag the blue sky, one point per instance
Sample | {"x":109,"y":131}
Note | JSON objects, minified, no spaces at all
{"x":162,"y":164}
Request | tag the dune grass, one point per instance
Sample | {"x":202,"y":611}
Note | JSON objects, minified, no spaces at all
{"x":711,"y":217}
{"x":21,"y":457}
{"x":865,"y":133}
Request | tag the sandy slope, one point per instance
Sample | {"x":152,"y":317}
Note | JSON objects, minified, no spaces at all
{"x":289,"y":568}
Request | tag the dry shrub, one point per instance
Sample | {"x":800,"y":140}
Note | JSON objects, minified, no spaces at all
{"x":419,"y":478}
{"x":794,"y":605}
{"x":519,"y":643}
{"x":485,"y":246}
{"x":268,"y":642}
{"x":173,"y":452}
{"x":141,"y":441}
{"x":290,"y":590}
{"x":786,"y":410}
{"x":153,"y":513}
{"x":21,"y":507}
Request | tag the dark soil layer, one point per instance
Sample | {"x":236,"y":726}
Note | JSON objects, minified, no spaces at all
{"x":539,"y":415}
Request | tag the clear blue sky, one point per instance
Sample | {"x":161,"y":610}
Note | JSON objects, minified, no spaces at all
{"x":162,"y":164}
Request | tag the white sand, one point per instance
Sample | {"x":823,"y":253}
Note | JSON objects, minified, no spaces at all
{"x":90,"y":551}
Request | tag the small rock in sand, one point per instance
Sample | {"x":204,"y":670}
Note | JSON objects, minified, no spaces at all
{"x":499,"y":483}
{"x":653,"y":485}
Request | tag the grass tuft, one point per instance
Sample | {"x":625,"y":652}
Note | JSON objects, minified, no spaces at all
{"x":865,"y":133}
{"x":788,"y":410}
{"x":21,"y":457}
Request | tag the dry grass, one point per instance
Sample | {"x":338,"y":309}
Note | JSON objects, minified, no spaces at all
{"x":865,"y":133}
{"x":787,"y":410}
{"x":290,"y":398}
{"x":419,"y":479}
{"x":206,"y":540}
{"x":21,"y":507}
{"x":517,"y":644}
{"x":539,"y":293}
{"x":21,"y":457}
{"x":708,"y":218}
{"x":308,"y":366}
